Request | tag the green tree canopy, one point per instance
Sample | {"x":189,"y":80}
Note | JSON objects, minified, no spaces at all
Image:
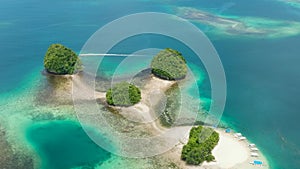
{"x":201,"y":142}
{"x":61,"y":60}
{"x":123,"y":94}
{"x":169,"y":64}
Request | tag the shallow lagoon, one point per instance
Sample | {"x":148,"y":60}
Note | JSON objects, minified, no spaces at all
{"x":64,"y":144}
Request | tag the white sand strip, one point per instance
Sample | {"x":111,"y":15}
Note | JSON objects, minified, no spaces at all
{"x":229,"y":151}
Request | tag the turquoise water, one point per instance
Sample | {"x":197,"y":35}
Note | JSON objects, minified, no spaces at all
{"x":262,"y":71}
{"x":64,"y":144}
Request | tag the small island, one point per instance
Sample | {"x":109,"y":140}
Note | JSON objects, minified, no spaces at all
{"x":60,"y":60}
{"x":61,"y":64}
{"x":169,"y":64}
{"x":123,"y":94}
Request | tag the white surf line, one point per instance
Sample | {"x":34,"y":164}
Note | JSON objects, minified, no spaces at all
{"x":106,"y":54}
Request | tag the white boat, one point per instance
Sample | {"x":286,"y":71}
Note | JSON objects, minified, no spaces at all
{"x":251,"y":145}
{"x":254,"y":149}
{"x":238,"y":134}
{"x":254,"y":155}
{"x":242,"y":138}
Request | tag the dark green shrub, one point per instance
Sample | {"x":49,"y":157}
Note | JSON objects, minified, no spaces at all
{"x":61,"y":60}
{"x":201,"y":142}
{"x":123,"y":94}
{"x":169,"y":64}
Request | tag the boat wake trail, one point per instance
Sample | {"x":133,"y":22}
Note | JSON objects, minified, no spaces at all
{"x":106,"y":54}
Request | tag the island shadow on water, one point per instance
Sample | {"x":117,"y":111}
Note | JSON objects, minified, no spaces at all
{"x":64,"y":144}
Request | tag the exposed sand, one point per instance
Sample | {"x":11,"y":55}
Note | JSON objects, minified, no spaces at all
{"x":230,"y":153}
{"x":143,"y":112}
{"x":152,"y":93}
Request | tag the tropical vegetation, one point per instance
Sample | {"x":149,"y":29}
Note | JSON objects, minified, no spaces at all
{"x":169,"y":64}
{"x":123,"y":94}
{"x":202,"y":141}
{"x":61,"y":60}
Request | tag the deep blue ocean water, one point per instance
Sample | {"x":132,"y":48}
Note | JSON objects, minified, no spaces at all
{"x":262,"y":73}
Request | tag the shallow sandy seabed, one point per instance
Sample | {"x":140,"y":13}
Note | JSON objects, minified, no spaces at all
{"x":293,"y":3}
{"x":249,"y":27}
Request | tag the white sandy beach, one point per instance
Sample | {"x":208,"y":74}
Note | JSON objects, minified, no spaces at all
{"x":230,"y":153}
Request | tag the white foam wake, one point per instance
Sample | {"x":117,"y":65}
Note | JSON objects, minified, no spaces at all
{"x":106,"y":54}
